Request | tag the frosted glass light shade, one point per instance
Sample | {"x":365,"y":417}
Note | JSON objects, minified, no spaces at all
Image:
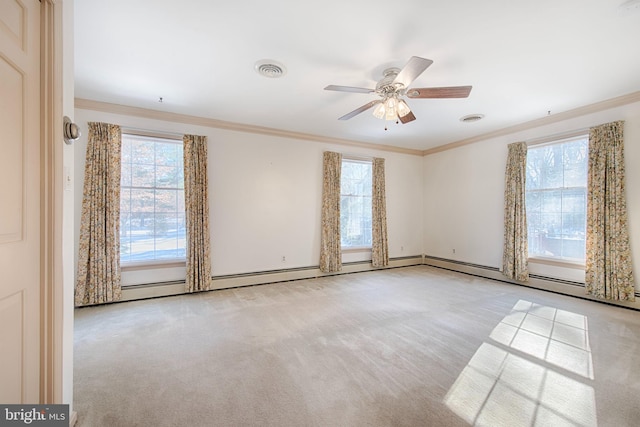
{"x":379,"y":111}
{"x":391,"y":109}
{"x":403,"y":109}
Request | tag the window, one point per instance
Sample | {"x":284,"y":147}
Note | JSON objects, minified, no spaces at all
{"x":355,"y":203}
{"x":152,"y":220}
{"x":556,"y":199}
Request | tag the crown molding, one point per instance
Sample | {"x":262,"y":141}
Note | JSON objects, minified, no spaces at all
{"x":565,"y":115}
{"x":106,"y":107}
{"x":87,"y":104}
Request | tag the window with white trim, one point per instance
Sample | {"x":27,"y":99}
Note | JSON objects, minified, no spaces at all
{"x":152,"y":218}
{"x":355,"y":203}
{"x":556,"y":199}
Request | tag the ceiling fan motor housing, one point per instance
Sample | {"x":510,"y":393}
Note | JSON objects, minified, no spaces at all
{"x":385,"y":87}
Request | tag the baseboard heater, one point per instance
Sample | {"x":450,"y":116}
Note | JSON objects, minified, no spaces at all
{"x":163,"y":289}
{"x":496,"y":269}
{"x":552,"y":284}
{"x":546,"y":283}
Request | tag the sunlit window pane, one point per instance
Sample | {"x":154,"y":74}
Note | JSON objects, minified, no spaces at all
{"x":355,"y":203}
{"x":556,"y":199}
{"x":152,"y":225}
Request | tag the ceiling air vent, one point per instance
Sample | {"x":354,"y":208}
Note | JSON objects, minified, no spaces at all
{"x":471,"y":118}
{"x":270,"y":69}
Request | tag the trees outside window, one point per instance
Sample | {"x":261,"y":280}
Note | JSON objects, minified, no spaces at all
{"x":152,"y":221}
{"x":556,"y":194}
{"x":355,"y":203}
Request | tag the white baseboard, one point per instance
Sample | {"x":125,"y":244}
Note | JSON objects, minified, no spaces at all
{"x":565,"y":287}
{"x":153,"y":290}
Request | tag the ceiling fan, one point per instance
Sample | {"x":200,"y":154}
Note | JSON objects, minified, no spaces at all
{"x":394,"y":85}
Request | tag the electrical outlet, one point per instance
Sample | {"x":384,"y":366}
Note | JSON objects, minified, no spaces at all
{"x":454,"y":251}
{"x":284,"y":258}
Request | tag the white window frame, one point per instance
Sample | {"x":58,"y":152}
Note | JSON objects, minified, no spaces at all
{"x":559,"y":260}
{"x":156,"y":262}
{"x":361,"y":160}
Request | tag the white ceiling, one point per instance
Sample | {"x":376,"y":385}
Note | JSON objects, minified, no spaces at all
{"x":523,"y":59}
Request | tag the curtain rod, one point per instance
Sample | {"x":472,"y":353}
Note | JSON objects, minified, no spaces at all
{"x":557,"y":136}
{"x":152,"y":133}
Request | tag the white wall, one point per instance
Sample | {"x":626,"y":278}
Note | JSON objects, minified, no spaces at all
{"x":464,"y":193}
{"x":265,"y":195}
{"x":265,"y":198}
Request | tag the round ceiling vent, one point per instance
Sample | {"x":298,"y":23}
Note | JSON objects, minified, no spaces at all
{"x":270,"y":69}
{"x":471,"y":118}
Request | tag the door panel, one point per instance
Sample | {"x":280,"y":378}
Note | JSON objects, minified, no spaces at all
{"x":13,"y":146}
{"x":20,"y":201}
{"x":12,"y":18}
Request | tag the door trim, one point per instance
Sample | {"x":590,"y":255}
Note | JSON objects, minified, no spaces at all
{"x":52,"y":303}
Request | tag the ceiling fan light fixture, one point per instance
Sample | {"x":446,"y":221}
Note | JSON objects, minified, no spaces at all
{"x":403,"y":108}
{"x":379,"y":112}
{"x":390,"y":105}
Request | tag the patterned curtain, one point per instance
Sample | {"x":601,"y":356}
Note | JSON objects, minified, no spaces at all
{"x":98,"y":278}
{"x":608,"y":256}
{"x":196,"y":198}
{"x":330,"y":247}
{"x":380,"y":246}
{"x":515,"y":252}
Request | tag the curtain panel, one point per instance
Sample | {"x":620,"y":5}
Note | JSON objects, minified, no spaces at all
{"x":196,"y":198}
{"x":330,"y":246}
{"x":379,"y":243}
{"x":98,"y":278}
{"x":608,"y":272}
{"x":515,"y":250}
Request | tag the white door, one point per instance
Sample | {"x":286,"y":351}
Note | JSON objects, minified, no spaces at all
{"x":20,"y":198}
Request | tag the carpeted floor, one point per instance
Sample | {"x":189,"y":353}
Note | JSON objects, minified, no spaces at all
{"x":414,"y":346}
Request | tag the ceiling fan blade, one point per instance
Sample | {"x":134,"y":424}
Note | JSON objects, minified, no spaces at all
{"x":349,"y":89}
{"x":357,"y":111}
{"x":412,"y":70}
{"x":408,"y":118}
{"x":440,"y":92}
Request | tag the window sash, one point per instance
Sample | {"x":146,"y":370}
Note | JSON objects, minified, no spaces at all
{"x":152,"y":223}
{"x":556,"y":199}
{"x":355,"y":200}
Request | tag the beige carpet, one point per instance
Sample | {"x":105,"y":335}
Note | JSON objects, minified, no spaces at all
{"x":414,"y":346}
